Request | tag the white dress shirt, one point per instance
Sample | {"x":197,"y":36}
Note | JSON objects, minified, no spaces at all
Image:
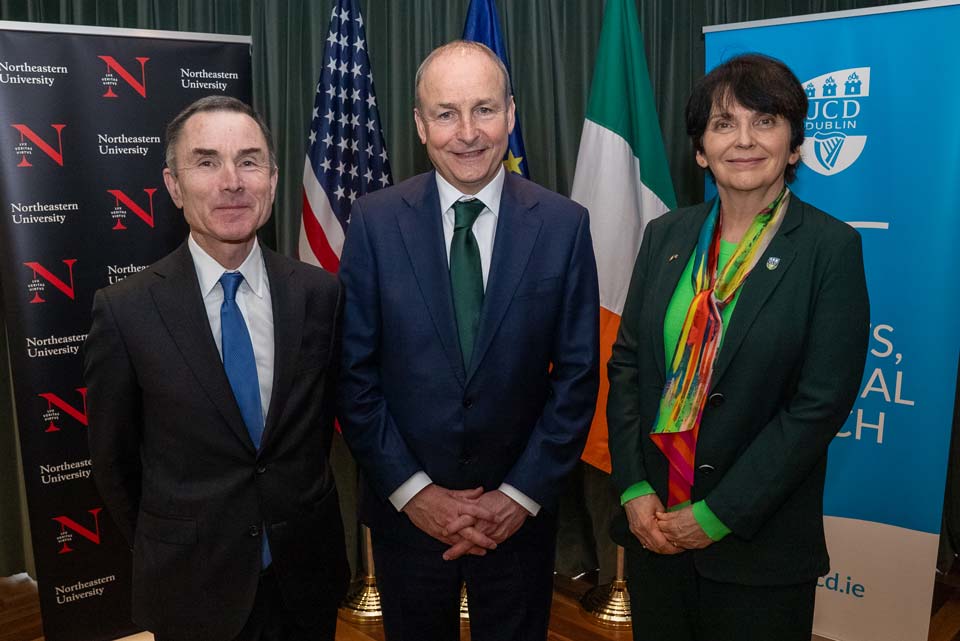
{"x":484,"y":230}
{"x":253,"y":299}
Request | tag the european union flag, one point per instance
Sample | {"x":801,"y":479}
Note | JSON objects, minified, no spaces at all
{"x":483,"y":25}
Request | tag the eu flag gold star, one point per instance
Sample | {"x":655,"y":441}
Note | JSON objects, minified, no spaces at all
{"x":512,"y":163}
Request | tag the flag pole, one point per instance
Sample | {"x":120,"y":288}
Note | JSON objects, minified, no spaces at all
{"x":362,"y":603}
{"x":609,"y":605}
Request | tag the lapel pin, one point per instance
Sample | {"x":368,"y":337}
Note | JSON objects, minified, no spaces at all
{"x":773,"y":262}
{"x":673,"y":258}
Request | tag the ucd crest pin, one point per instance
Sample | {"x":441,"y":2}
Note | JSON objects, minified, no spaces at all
{"x":773,"y":262}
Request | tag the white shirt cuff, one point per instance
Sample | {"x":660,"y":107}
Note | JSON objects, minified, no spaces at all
{"x":525,"y":501}
{"x":402,"y":495}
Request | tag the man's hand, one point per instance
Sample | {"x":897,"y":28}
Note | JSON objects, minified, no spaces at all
{"x":508,"y":516}
{"x":642,"y":517}
{"x":682,"y":529}
{"x":448,"y":516}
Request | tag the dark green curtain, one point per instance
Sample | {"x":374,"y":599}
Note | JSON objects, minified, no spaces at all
{"x":551,"y":45}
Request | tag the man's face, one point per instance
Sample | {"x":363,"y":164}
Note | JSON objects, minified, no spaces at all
{"x":222,"y":179}
{"x":464,"y":118}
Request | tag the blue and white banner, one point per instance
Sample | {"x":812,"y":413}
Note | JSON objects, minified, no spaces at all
{"x":882,"y":152}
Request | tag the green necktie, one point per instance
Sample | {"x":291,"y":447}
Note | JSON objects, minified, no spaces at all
{"x":466,"y":275}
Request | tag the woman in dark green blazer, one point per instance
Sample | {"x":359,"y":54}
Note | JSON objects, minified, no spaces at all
{"x":740,"y":353}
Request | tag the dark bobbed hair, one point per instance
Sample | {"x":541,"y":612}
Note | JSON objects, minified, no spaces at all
{"x":208,"y":104}
{"x":757,"y":82}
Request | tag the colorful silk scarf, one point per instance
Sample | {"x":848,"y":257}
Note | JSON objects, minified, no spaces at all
{"x":688,"y":379}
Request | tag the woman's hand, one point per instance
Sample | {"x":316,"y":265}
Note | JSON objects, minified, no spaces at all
{"x":642,"y":517}
{"x":681,"y":529}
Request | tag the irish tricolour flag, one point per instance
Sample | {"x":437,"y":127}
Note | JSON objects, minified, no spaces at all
{"x":622,"y":177}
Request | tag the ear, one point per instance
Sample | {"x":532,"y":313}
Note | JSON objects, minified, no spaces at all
{"x":173,"y":187}
{"x":702,"y":160}
{"x":421,"y":126}
{"x":511,"y":115}
{"x":274,"y":177}
{"x":794,"y":157}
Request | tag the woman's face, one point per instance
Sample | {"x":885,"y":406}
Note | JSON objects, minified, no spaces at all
{"x":747,"y":151}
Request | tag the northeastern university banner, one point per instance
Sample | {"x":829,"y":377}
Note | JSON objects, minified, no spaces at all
{"x":82,"y":115}
{"x":882,"y":152}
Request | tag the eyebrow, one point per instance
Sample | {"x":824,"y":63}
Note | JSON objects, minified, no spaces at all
{"x":722,"y":114}
{"x":200,"y":151}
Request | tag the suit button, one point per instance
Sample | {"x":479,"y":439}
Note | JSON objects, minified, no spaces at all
{"x":468,"y":403}
{"x":261,"y":469}
{"x":706,"y":469}
{"x":716,"y":400}
{"x":254,"y":530}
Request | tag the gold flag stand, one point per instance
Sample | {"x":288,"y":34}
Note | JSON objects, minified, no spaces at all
{"x":464,"y":610}
{"x":362,"y":603}
{"x":609,"y":605}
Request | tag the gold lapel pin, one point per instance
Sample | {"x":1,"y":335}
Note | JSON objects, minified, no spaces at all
{"x":773,"y":262}
{"x":673,"y":258}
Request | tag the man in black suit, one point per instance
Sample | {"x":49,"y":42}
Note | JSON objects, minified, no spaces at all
{"x":210,"y":379}
{"x":470,"y":372}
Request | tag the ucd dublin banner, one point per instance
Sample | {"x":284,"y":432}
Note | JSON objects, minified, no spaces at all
{"x":882,"y":152}
{"x":82,"y":114}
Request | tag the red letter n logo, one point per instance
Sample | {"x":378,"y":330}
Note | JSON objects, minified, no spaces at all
{"x":37,"y":286}
{"x":69,"y":527}
{"x":109,"y":80}
{"x":25,"y":149}
{"x":54,"y":402}
{"x":119,"y":212}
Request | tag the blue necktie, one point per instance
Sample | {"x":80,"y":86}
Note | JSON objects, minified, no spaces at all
{"x":241,"y":367}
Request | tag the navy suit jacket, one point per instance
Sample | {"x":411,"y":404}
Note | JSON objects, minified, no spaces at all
{"x":520,"y":412}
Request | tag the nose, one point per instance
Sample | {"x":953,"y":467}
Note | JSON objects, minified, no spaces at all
{"x":468,"y":131}
{"x":745,"y":135}
{"x":230,"y":177}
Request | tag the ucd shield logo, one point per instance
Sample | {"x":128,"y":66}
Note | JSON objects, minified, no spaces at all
{"x":833,"y":141}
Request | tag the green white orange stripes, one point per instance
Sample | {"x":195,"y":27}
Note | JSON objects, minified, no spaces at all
{"x":622,"y":178}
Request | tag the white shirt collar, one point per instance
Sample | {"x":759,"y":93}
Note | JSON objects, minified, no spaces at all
{"x":489,"y":195}
{"x":209,"y":270}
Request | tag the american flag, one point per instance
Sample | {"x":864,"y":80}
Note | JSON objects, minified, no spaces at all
{"x":346,"y":157}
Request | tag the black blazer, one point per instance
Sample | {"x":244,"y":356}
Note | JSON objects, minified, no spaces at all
{"x":176,"y":467}
{"x":784,"y":382}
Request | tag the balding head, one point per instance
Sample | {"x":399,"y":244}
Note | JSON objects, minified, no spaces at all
{"x":460,"y":47}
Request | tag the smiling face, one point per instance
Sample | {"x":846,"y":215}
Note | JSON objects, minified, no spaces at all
{"x":223,"y":180}
{"x":464,"y":117}
{"x":746,"y":151}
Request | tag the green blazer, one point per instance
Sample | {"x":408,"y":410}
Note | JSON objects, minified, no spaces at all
{"x":784,"y":382}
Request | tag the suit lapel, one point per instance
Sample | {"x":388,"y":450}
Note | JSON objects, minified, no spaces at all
{"x":673,"y":260}
{"x":517,"y":230}
{"x":758,"y":287}
{"x":421,"y":228}
{"x":180,"y":305}
{"x":288,"y":305}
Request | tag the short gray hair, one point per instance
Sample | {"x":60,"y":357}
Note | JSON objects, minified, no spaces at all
{"x":461,"y":45}
{"x":208,"y":104}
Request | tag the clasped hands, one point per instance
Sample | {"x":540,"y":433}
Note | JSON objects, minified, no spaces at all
{"x":661,"y":531}
{"x":469,"y":521}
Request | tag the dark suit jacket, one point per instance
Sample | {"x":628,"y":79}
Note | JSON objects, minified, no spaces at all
{"x":406,"y":403}
{"x":175,"y":464}
{"x":784,"y":382}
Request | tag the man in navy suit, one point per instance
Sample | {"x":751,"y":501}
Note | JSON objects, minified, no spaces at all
{"x":470,"y":365}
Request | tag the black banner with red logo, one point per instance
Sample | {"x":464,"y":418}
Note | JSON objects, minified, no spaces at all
{"x":82,"y":115}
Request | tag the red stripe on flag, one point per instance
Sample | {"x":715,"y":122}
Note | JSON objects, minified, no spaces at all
{"x":318,"y":239}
